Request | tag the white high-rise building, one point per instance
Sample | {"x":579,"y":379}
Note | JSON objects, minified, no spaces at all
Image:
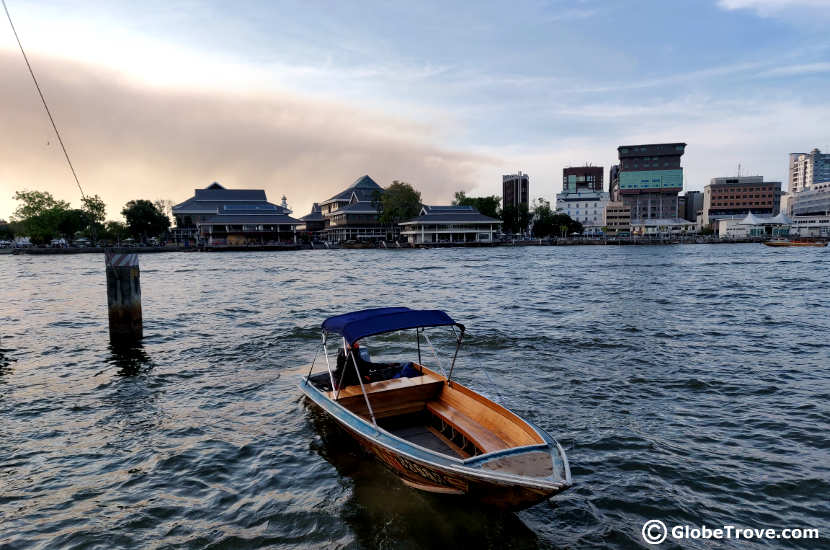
{"x":808,"y":168}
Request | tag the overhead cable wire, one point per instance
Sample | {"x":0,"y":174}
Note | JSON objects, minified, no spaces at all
{"x":43,"y":99}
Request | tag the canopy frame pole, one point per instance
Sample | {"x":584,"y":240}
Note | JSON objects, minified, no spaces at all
{"x":418,"y":339}
{"x":328,"y":365}
{"x":435,"y":354}
{"x":342,"y":374}
{"x":363,"y":388}
{"x":459,"y":338}
{"x":311,"y":367}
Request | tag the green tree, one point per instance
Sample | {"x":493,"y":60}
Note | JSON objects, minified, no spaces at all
{"x":72,"y":221}
{"x":96,"y":212}
{"x":516,"y":219}
{"x":563,"y":225}
{"x":399,"y":202}
{"x":95,"y":208}
{"x":489,"y":206}
{"x":544,"y":219}
{"x":115,"y":231}
{"x":43,"y":227}
{"x":165,"y":206}
{"x":144,"y":219}
{"x":35,"y":203}
{"x":6,"y":231}
{"x":42,"y":217}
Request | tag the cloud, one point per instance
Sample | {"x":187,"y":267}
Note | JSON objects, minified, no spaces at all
{"x":772,"y":7}
{"x":132,"y":140}
{"x":797,"y":70}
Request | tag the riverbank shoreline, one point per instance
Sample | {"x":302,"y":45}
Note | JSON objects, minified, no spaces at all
{"x":381,"y":246}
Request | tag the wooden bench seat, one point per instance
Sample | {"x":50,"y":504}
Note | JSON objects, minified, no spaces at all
{"x":477,"y":434}
{"x":390,"y":397}
{"x":385,"y":385}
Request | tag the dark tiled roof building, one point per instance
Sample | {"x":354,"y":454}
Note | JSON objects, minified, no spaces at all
{"x":219,"y":216}
{"x":313,"y":221}
{"x":450,"y":224}
{"x":354,"y":214}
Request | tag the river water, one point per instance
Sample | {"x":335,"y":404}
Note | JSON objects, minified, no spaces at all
{"x":689,"y":384}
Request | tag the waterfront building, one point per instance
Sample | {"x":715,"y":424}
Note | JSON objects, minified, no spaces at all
{"x":807,"y":169}
{"x":650,"y":178}
{"x":812,"y":201}
{"x":617,"y":219}
{"x":219,"y":216}
{"x":313,"y":222}
{"x":730,"y":197}
{"x":354,"y":214}
{"x":515,"y":190}
{"x":662,"y":227}
{"x":752,"y":225}
{"x":692,"y":205}
{"x":450,"y":224}
{"x":811,"y":226}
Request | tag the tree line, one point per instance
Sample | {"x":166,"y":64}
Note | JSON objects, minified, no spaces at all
{"x":42,"y":218}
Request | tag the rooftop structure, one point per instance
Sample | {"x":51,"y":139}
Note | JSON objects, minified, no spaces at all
{"x":450,"y":224}
{"x":364,"y":189}
{"x":582,"y":178}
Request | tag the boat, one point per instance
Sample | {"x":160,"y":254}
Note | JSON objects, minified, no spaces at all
{"x":434,"y":433}
{"x":785,"y":242}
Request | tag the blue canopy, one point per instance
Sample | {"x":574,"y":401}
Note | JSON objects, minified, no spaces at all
{"x":359,"y":324}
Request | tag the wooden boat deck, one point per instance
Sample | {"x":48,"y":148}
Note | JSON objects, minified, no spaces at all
{"x":450,"y":419}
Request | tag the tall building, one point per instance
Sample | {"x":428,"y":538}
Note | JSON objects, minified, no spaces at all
{"x":576,"y":178}
{"x":807,"y":169}
{"x":582,"y":197}
{"x":727,"y":198}
{"x":650,"y":178}
{"x":515,"y":190}
{"x":694,"y":204}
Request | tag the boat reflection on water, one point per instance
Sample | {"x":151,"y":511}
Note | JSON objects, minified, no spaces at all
{"x":382,"y":511}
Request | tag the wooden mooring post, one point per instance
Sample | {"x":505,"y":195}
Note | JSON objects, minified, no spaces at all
{"x":123,"y":297}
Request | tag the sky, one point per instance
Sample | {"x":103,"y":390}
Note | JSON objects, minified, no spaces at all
{"x":157,"y":98}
